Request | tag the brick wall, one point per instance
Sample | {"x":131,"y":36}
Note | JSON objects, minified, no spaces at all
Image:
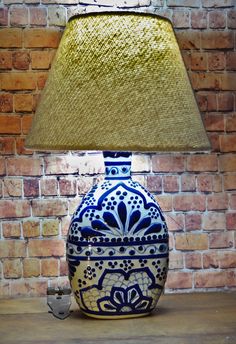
{"x":39,"y":192}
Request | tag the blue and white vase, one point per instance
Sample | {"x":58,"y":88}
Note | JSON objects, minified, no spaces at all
{"x":117,"y":246}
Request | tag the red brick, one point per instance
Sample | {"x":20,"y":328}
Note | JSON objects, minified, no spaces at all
{"x":228,"y":143}
{"x":14,"y":208}
{"x":205,"y":81}
{"x":230,"y":182}
{"x":154,"y":184}
{"x":221,"y":240}
{"x":6,"y":102}
{"x":231,"y":123}
{"x":189,"y":202}
{"x":214,"y":122}
{"x":73,"y":204}
{"x":38,"y":16}
{"x":188,"y":183}
{"x":31,"y":267}
{"x":20,"y":147}
{"x":24,"y":167}
{"x":49,"y":207}
{"x":65,"y":223}
{"x":199,"y":19}
{"x":214,"y":221}
{"x":5,"y":59}
{"x":21,"y":60}
{"x":31,"y":228}
{"x":193,"y":260}
{"x":49,"y":267}
{"x":217,"y":202}
{"x":176,"y":260}
{"x":202,"y":163}
{"x":4,"y":289}
{"x":171,"y":183}
{"x":2,"y":167}
{"x":231,"y":221}
{"x":18,"y":81}
{"x":18,"y":15}
{"x":167,"y":163}
{"x":179,"y":280}
{"x":231,"y":60}
{"x":180,"y":19}
{"x":217,"y":183}
{"x":67,"y":187}
{"x":216,"y":61}
{"x":11,"y":229}
{"x":198,"y":61}
{"x":211,"y":260}
{"x":50,"y":227}
{"x":48,"y":187}
{"x":31,"y":187}
{"x":26,"y":121}
{"x":12,"y":268}
{"x":193,"y":222}
{"x":7,"y":145}
{"x":191,"y":241}
{"x":23,"y":102}
{"x":41,"y":79}
{"x":175,"y":222}
{"x":228,"y":259}
{"x":3,"y":16}
{"x":231,"y":278}
{"x":12,"y":248}
{"x":217,"y":40}
{"x":217,"y":19}
{"x":63,"y":268}
{"x":215,"y":141}
{"x":188,"y":39}
{"x":29,"y":288}
{"x":46,"y":248}
{"x":42,"y":38}
{"x":165,"y":202}
{"x":41,"y":59}
{"x":225,"y":101}
{"x":207,"y":101}
{"x":232,"y":202}
{"x":217,"y":3}
{"x":227,"y":163}
{"x":12,"y":187}
{"x":228,"y":81}
{"x":10,"y":124}
{"x":232,"y":19}
{"x":10,"y":38}
{"x":210,"y":279}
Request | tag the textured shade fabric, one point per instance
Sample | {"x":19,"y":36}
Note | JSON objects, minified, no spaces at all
{"x":118,"y":82}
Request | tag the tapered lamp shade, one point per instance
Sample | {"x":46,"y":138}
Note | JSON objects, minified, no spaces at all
{"x":118,"y":82}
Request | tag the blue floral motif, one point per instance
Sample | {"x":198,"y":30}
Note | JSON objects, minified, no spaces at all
{"x":123,"y":300}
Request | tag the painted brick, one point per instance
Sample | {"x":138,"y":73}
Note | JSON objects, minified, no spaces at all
{"x":61,"y":165}
{"x":50,"y":227}
{"x":140,"y":163}
{"x":188,"y":183}
{"x":189,"y":202}
{"x":10,"y":38}
{"x":199,"y":19}
{"x":12,"y":187}
{"x":221,"y":240}
{"x":41,"y":59}
{"x":23,"y":102}
{"x":228,"y":143}
{"x":7,"y":145}
{"x":214,"y":122}
{"x":56,"y":16}
{"x":12,"y":248}
{"x":12,"y":268}
{"x":48,"y":207}
{"x":214,"y":221}
{"x":217,"y":3}
{"x":29,"y":288}
{"x":230,"y":182}
{"x":231,"y":60}
{"x":217,"y":19}
{"x":193,"y":221}
{"x":179,"y":280}
{"x":11,"y":229}
{"x":4,"y":289}
{"x":189,"y":39}
{"x":18,"y":15}
{"x":10,"y":124}
{"x":14,"y":208}
{"x":198,"y":61}
{"x":18,"y":81}
{"x":38,"y":16}
{"x":216,"y":61}
{"x":21,"y":60}
{"x":165,"y":163}
{"x":191,"y":241}
{"x":217,"y":201}
{"x":31,"y":187}
{"x":24,"y":167}
{"x":211,"y":260}
{"x":165,"y":202}
{"x":49,"y":267}
{"x":6,"y":102}
{"x":217,"y":40}
{"x":175,"y":222}
{"x":46,"y":248}
{"x":180,"y":19}
{"x":227,"y":163}
{"x":31,"y":228}
{"x":193,"y":260}
{"x":210,"y":279}
{"x":231,"y":221}
{"x":176,"y":260}
{"x":171,"y":183}
{"x":48,"y":187}
{"x":41,"y":38}
{"x":3,"y":16}
{"x":202,"y":163}
{"x":154,"y":183}
{"x":5,"y":59}
{"x":231,"y":19}
{"x":183,"y":3}
{"x":31,"y":267}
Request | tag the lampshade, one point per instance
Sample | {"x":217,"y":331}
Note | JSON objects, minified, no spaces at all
{"x":118,"y":82}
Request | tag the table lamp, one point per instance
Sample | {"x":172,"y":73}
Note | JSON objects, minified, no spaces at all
{"x":118,"y":84}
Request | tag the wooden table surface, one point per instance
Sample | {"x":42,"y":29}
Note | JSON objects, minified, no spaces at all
{"x":181,"y":318}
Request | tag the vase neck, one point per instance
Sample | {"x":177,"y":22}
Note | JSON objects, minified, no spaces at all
{"x":117,"y":165}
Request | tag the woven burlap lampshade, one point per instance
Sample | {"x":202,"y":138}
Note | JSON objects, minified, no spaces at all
{"x":118,"y":82}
